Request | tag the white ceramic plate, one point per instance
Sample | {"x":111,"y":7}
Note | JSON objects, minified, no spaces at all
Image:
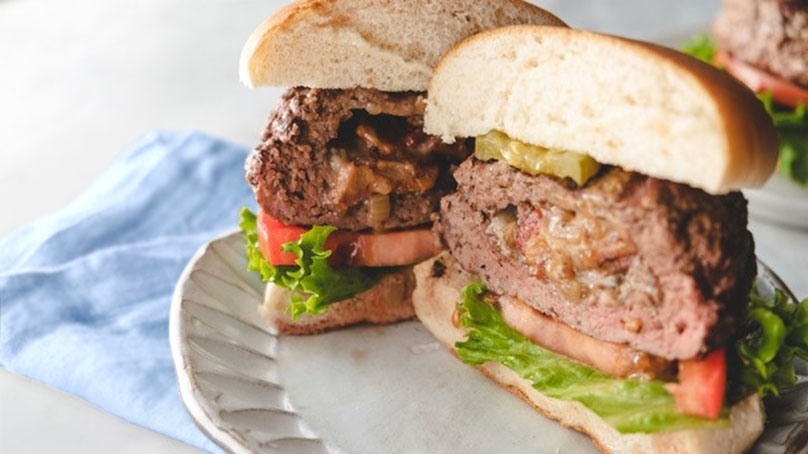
{"x":780,"y":201}
{"x":360,"y":390}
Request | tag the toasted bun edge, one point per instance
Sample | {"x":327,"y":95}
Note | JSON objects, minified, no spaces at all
{"x":389,"y":301}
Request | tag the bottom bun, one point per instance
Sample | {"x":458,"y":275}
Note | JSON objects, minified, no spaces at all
{"x":439,"y":283}
{"x":389,"y":301}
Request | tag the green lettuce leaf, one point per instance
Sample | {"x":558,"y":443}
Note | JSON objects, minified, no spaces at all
{"x":702,"y":47}
{"x":628,"y":405}
{"x":314,"y":283}
{"x":774,"y":333}
{"x":792,"y":131}
{"x":791,"y":124}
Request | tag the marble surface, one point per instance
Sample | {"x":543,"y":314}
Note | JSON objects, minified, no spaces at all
{"x":81,"y":80}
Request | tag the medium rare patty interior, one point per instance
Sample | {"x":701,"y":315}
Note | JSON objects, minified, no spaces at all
{"x":626,"y":258}
{"x":355,"y":159}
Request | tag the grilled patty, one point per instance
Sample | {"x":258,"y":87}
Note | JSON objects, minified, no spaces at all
{"x":660,"y":266}
{"x":356,"y":159}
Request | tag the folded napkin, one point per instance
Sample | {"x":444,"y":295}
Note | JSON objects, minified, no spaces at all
{"x":85,"y":292}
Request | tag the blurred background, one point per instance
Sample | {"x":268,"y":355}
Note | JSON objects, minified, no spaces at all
{"x":81,"y":80}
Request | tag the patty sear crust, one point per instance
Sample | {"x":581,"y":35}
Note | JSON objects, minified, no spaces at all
{"x":356,"y":159}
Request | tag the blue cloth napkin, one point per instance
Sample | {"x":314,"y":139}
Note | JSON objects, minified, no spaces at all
{"x":85,"y":292}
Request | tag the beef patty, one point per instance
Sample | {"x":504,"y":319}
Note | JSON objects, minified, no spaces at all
{"x":627,"y":258}
{"x":355,"y":159}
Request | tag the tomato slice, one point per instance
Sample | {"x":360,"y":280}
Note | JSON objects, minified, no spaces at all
{"x":782,"y":91}
{"x":404,"y":247}
{"x":348,"y":248}
{"x":272,"y":234}
{"x":701,"y":386}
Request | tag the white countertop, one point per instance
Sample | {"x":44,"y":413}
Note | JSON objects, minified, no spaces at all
{"x":81,"y":80}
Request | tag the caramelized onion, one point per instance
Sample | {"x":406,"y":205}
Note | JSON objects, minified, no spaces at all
{"x":378,"y":209}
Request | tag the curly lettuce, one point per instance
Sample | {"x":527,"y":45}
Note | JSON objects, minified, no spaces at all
{"x":775,"y":331}
{"x":792,"y":131}
{"x":791,"y":124}
{"x":314,"y":283}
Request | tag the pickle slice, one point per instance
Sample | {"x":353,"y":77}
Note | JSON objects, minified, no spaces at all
{"x":534,"y":159}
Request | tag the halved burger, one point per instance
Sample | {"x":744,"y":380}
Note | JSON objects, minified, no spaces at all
{"x":345,"y":179}
{"x":598,"y":262}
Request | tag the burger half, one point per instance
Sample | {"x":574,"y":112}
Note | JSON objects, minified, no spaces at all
{"x":598,"y":260}
{"x":345,"y":179}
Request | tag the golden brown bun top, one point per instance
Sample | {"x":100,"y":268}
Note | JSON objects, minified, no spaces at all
{"x":384,"y":44}
{"x":636,"y":105}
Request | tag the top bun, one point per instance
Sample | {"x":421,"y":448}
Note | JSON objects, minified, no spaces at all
{"x":388,"y":45}
{"x":635,"y":105}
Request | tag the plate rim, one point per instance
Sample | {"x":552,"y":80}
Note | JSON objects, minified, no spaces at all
{"x":187,"y":384}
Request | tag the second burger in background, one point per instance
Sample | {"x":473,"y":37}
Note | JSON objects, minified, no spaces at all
{"x":764,"y":43}
{"x":345,"y":179}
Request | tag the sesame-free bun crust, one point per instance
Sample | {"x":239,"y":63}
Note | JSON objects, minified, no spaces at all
{"x":384,"y":44}
{"x":389,"y":301}
{"x":640,"y":106}
{"x":435,"y":298}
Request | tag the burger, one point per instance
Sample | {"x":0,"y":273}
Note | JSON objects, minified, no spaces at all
{"x":764,"y":43}
{"x":597,"y":259}
{"x":345,"y":179}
